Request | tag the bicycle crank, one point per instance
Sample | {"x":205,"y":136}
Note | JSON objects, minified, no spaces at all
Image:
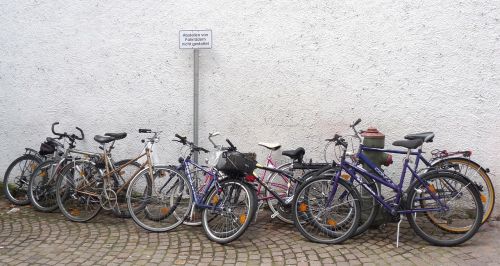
{"x":108,"y":199}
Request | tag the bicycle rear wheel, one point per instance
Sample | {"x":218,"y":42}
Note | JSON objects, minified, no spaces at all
{"x":285,"y":188}
{"x":17,"y":178}
{"x":445,"y":227}
{"x":160,"y":203}
{"x":78,"y":191}
{"x":476,"y":174}
{"x":42,"y":186}
{"x":325,"y":218}
{"x":232,"y":207}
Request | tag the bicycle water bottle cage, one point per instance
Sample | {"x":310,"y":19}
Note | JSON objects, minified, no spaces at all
{"x":297,"y":154}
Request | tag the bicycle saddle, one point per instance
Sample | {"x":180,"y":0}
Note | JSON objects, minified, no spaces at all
{"x":271,"y":146}
{"x":102,"y":139}
{"x":116,"y":135}
{"x":296,"y":154}
{"x":424,"y":136}
{"x":409,"y":144}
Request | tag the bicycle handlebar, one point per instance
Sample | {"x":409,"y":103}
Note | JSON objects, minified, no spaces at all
{"x":72,"y":137}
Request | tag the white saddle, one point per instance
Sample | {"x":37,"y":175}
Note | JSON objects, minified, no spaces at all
{"x":271,"y":146}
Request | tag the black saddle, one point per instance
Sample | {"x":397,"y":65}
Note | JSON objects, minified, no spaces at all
{"x":297,"y":154}
{"x":117,"y":136}
{"x":409,"y":144}
{"x":103,"y":140}
{"x":424,"y":136}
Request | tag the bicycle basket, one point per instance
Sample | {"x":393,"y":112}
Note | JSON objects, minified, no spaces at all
{"x":236,"y":163}
{"x":47,"y":148}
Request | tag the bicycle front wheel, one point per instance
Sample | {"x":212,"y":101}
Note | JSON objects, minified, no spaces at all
{"x":323,"y":217}
{"x":445,"y":227}
{"x":232,"y":207}
{"x":42,"y":186}
{"x":17,"y":178}
{"x":160,"y":203}
{"x":78,"y":191}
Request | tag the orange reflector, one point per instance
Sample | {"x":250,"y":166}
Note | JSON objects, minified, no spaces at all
{"x":483,"y":198}
{"x":345,"y":177}
{"x":302,"y":207}
{"x":43,"y":174}
{"x":215,"y":199}
{"x":75,"y":212}
{"x":432,"y":188}
{"x":164,"y":210}
{"x":33,"y":166}
{"x":243,"y":218}
{"x":331,"y":222}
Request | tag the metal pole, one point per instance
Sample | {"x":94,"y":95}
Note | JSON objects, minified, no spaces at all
{"x":196,"y":74}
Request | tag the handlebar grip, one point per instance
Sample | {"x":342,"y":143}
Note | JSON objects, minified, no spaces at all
{"x":81,"y":132}
{"x":230,"y":143}
{"x":53,"y":131}
{"x":144,"y":130}
{"x":183,"y":139}
{"x":357,"y":122}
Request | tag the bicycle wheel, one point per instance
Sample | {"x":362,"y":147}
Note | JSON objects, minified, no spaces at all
{"x":161,"y":203}
{"x":78,"y":191}
{"x":324,"y":220}
{"x":453,"y":226}
{"x":233,"y":205}
{"x":368,"y":204}
{"x":475,"y":173}
{"x":17,"y":177}
{"x":42,"y":186}
{"x":285,"y":188}
{"x":119,"y":179}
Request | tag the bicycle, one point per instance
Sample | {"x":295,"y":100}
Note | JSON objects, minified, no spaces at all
{"x":227,"y":205}
{"x":441,"y":159}
{"x":432,"y":195}
{"x":41,"y":191}
{"x":18,"y":173}
{"x":280,"y":182}
{"x":86,"y":186}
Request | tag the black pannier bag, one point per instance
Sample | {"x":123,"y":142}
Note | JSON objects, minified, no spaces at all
{"x":236,"y":163}
{"x":47,"y":148}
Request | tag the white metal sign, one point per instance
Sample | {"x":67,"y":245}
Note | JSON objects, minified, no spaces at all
{"x":195,"y":39}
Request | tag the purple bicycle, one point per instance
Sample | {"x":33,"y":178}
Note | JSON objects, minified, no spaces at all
{"x":443,"y":207}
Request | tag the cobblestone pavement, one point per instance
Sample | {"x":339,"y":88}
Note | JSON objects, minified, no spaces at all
{"x":29,"y":237}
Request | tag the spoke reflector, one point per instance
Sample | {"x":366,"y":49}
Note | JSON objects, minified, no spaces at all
{"x":331,"y":222}
{"x":164,"y":210}
{"x":243,"y":218}
{"x":483,"y":198}
{"x":302,"y":207}
{"x":432,"y":188}
{"x":215,"y":199}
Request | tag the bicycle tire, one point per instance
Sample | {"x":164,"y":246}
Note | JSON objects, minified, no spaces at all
{"x":79,"y":194}
{"x":441,"y":183}
{"x":41,"y":188}
{"x":16,"y":187}
{"x":149,"y":204}
{"x":326,"y":227}
{"x":480,"y":176}
{"x":229,"y":188}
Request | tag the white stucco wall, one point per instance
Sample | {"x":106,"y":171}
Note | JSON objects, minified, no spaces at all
{"x":294,"y":72}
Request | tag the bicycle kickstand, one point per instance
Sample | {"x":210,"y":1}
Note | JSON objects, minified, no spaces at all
{"x":397,"y":234}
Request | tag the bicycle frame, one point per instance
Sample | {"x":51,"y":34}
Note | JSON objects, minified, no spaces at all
{"x":198,"y":197}
{"x":381,"y":178}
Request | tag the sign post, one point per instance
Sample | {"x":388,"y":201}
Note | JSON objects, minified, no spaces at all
{"x":195,"y":40}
